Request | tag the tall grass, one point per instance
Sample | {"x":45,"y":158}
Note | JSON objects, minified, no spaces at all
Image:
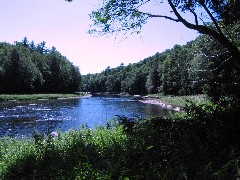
{"x":76,"y":154}
{"x":206,"y":148}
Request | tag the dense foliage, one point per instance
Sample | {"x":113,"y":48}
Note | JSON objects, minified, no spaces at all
{"x":209,"y":17}
{"x":29,"y":68}
{"x":200,"y":147}
{"x":201,"y":143}
{"x":200,"y":66}
{"x":212,"y":59}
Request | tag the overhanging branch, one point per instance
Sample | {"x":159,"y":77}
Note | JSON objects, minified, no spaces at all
{"x":195,"y":16}
{"x":212,"y":18}
{"x":214,"y":33}
{"x":160,"y":16}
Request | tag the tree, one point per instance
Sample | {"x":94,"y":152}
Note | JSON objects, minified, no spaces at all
{"x":169,"y":83}
{"x":113,"y":84}
{"x":32,"y":46}
{"x":20,"y":73}
{"x":210,"y":17}
{"x":26,"y":69}
{"x":153,"y":81}
{"x":205,"y":69}
{"x":41,"y":47}
{"x":25,"y":42}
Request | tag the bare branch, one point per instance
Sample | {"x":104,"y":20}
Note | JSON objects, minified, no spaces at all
{"x":195,"y":16}
{"x":186,"y":23}
{"x":160,"y":16}
{"x":143,"y":3}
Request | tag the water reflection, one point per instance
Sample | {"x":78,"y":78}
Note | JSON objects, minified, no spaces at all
{"x":24,"y":118}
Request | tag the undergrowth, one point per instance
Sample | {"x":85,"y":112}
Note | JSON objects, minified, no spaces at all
{"x":203,"y":146}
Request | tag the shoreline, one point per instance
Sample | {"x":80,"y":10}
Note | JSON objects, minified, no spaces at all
{"x":176,"y":103}
{"x":161,"y":103}
{"x":39,"y":97}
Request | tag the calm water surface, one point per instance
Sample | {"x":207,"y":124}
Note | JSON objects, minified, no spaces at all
{"x":25,"y":118}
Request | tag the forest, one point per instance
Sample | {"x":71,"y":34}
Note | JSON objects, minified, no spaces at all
{"x":26,"y":68}
{"x":198,"y":67}
{"x":201,"y":142}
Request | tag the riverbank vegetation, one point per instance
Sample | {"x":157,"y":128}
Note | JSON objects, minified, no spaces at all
{"x":196,"y":148}
{"x":177,"y":101}
{"x":27,"y":68}
{"x":194,"y":68}
{"x":203,"y":142}
{"x":25,"y":97}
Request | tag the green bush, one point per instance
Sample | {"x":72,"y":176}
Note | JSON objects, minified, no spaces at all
{"x":70,"y":155}
{"x":205,"y":146}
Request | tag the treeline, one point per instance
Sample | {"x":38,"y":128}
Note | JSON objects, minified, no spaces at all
{"x":199,"y":66}
{"x":29,"y":68}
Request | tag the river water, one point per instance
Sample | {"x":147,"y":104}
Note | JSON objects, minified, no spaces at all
{"x":44,"y":116}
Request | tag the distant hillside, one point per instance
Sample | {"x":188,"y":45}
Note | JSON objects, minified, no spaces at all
{"x":193,"y":68}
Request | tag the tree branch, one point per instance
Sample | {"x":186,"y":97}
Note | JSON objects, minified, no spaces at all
{"x":195,"y":16}
{"x":215,"y":34}
{"x":143,"y":3}
{"x":160,"y":16}
{"x":211,"y":16}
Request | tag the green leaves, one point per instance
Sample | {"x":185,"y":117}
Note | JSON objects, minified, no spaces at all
{"x":25,"y":68}
{"x":83,"y":154}
{"x":202,"y":147}
{"x":117,"y":16}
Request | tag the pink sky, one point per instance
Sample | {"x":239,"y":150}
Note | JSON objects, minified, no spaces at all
{"x":65,"y":25}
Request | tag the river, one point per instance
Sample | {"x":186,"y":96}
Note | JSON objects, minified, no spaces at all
{"x":44,"y":116}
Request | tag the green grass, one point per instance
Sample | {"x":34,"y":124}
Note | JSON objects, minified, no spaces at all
{"x":71,"y":155}
{"x":23,"y":97}
{"x":150,"y":149}
{"x":205,"y":145}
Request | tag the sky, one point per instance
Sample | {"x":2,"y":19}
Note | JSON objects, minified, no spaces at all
{"x":65,"y":26}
